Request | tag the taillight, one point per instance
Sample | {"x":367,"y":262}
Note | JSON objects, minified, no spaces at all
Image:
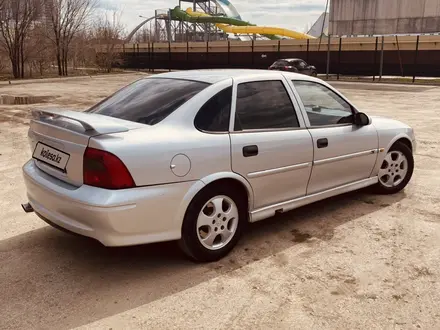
{"x":104,"y":170}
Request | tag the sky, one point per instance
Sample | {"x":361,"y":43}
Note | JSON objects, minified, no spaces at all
{"x":293,"y":14}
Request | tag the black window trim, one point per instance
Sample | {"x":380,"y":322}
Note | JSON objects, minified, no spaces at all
{"x":353,"y":108}
{"x":230,"y":113}
{"x":263,"y":130}
{"x":266,"y":130}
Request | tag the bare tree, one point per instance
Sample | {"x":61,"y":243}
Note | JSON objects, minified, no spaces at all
{"x":107,"y":34}
{"x":16,"y":21}
{"x":38,"y":52}
{"x":65,"y":19}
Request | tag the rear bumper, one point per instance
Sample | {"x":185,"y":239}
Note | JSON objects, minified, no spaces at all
{"x":113,"y":217}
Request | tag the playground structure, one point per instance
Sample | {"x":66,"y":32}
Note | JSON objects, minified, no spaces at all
{"x":209,"y":20}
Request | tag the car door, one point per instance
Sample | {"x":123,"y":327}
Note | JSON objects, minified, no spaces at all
{"x":270,"y":145}
{"x":343,"y":152}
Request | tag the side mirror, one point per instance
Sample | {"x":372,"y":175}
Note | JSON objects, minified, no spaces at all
{"x":361,"y":119}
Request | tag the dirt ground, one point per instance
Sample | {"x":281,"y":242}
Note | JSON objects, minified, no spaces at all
{"x":357,"y":261}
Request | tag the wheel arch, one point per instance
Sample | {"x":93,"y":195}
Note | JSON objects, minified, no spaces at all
{"x":208,"y":181}
{"x":406,"y":141}
{"x":404,"y":138}
{"x":233,"y":179}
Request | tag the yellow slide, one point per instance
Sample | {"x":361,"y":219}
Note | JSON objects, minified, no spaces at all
{"x":253,"y":29}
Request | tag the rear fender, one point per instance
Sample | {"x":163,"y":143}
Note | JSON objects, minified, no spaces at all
{"x":200,"y":184}
{"x":186,"y":200}
{"x":231,"y":175}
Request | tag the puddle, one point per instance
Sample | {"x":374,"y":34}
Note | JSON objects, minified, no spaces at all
{"x":300,"y":237}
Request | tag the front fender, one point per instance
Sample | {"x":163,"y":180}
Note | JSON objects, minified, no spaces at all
{"x":385,"y":145}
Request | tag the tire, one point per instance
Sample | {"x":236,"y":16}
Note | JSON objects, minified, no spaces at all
{"x":224,"y":234}
{"x":314,"y":74}
{"x":399,"y":160}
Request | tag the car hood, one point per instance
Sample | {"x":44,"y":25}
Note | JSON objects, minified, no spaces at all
{"x":391,"y":126}
{"x":388,"y":122}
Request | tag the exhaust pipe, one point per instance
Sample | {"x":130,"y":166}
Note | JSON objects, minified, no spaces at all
{"x":27,"y":208}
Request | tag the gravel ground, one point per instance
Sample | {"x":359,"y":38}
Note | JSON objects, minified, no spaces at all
{"x":357,"y":261}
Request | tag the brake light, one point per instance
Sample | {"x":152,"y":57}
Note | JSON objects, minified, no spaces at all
{"x":104,"y":170}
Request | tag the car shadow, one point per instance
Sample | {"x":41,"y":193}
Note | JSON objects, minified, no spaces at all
{"x":54,"y":280}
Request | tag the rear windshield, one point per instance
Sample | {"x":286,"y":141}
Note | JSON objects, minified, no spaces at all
{"x":148,"y":101}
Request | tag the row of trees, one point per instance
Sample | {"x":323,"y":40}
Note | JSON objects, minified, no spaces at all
{"x":39,"y":34}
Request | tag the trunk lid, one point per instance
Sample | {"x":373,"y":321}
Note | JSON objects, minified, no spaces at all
{"x":59,"y":138}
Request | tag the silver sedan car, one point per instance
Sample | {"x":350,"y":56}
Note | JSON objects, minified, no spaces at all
{"x":194,"y":156}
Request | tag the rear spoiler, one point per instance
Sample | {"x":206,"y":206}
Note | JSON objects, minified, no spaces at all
{"x":98,"y":124}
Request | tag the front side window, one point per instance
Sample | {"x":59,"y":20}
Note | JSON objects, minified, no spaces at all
{"x":264,"y":105}
{"x":148,"y":101}
{"x":214,"y":115}
{"x":323,"y":106}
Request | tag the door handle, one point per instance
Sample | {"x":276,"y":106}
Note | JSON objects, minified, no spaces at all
{"x":250,"y":151}
{"x":322,"y":143}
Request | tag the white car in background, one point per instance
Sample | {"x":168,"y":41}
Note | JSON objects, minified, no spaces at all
{"x":193,"y":156}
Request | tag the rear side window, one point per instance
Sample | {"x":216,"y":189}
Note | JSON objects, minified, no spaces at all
{"x":264,"y":105}
{"x":214,"y":115}
{"x":148,"y":101}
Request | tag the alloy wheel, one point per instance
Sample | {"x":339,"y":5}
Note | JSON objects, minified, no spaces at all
{"x":394,"y":169}
{"x":217,"y":222}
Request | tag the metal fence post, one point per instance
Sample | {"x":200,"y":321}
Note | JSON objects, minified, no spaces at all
{"x":253,"y":61}
{"x":328,"y":56}
{"x":187,"y":54}
{"x":400,"y":58}
{"x":415,"y":60}
{"x":308,"y":47}
{"x":207,"y":53}
{"x":279,"y":49}
{"x":149,"y":57}
{"x":381,"y":59}
{"x":152,"y":57}
{"x":229,"y":52}
{"x":169,"y":56}
{"x":375,"y":59}
{"x":339,"y":56}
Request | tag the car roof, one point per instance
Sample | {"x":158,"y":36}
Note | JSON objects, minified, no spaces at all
{"x":290,"y":59}
{"x":212,"y":76}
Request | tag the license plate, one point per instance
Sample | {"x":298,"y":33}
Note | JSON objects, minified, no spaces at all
{"x":51,"y":156}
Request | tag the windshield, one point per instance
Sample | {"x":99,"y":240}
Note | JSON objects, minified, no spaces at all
{"x":148,"y":101}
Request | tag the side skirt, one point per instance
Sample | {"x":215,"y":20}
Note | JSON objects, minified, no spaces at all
{"x":271,"y":210}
